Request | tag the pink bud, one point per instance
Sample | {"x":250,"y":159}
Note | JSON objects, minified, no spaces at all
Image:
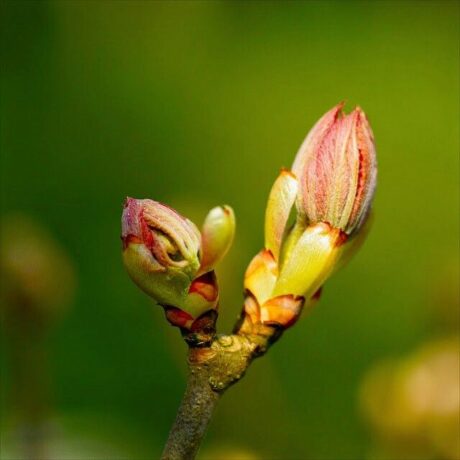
{"x":163,"y":252}
{"x":336,"y":168}
{"x":172,"y":240}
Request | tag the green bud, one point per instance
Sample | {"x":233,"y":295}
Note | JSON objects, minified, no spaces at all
{"x":216,"y":236}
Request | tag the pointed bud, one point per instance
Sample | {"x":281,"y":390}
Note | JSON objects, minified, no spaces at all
{"x":216,"y":236}
{"x":332,"y":184}
{"x":280,"y":202}
{"x":336,"y":168}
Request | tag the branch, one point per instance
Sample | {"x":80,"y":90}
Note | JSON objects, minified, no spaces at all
{"x":212,"y":370}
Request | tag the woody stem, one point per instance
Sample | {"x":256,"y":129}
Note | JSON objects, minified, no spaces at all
{"x":212,"y":370}
{"x":193,"y":416}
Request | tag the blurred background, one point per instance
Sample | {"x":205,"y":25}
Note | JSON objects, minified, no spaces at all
{"x":196,"y":104}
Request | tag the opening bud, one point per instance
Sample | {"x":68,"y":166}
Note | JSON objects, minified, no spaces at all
{"x":167,"y":257}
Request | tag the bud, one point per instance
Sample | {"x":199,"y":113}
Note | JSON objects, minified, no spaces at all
{"x":337,"y":170}
{"x":280,"y":201}
{"x":332,"y":184}
{"x":167,"y":257}
{"x":216,"y":236}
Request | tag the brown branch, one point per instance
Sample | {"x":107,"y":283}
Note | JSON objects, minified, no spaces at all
{"x":212,"y":370}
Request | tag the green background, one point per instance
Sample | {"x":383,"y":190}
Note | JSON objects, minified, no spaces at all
{"x":200,"y":103}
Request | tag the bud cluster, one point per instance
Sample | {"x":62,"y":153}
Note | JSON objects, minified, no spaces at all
{"x":331,"y":187}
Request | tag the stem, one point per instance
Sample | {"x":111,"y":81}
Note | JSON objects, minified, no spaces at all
{"x":193,"y":416}
{"x":212,"y":370}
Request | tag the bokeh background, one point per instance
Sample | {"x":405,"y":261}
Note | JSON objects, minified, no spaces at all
{"x":200,"y":103}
